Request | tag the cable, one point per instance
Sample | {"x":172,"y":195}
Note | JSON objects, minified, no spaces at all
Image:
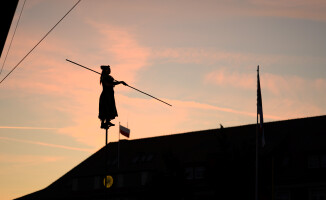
{"x":12,"y":37}
{"x":39,"y":42}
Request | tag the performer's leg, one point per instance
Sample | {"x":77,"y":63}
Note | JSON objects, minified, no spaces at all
{"x":110,"y":124}
{"x":103,"y":124}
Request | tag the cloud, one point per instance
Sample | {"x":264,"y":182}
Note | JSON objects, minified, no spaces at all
{"x":128,"y":56}
{"x":276,"y":84}
{"x":154,"y":119}
{"x":207,"y":9}
{"x":45,"y":144}
{"x":314,"y":9}
{"x":28,"y":159}
{"x":75,"y":92}
{"x":226,"y":78}
{"x":286,"y":96}
{"x":200,"y":56}
{"x":319,"y":84}
{"x":26,"y":127}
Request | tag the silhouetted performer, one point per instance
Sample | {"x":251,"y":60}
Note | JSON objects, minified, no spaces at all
{"x":107,"y":108}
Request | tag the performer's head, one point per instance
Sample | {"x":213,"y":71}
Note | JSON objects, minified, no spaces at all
{"x":106,"y":69}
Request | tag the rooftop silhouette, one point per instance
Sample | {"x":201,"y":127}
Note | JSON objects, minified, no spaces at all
{"x":207,"y":164}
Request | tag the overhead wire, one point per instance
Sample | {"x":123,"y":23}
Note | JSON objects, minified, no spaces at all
{"x":39,"y":42}
{"x":3,"y":64}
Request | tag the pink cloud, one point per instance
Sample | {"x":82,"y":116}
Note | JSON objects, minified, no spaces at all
{"x":288,"y":96}
{"x":200,"y":56}
{"x":128,"y":56}
{"x":320,"y":84}
{"x":235,"y":79}
{"x":151,"y":120}
{"x":28,"y":159}
{"x":196,"y":105}
{"x":314,"y":9}
{"x":26,"y":127}
{"x":290,"y":108}
{"x":275,"y":84}
{"x":45,"y":144}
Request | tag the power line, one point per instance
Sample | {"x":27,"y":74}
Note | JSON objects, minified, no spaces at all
{"x":12,"y":37}
{"x":39,"y":42}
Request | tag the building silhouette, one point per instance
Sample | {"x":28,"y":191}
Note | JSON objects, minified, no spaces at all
{"x":207,"y":164}
{"x":7,"y":15}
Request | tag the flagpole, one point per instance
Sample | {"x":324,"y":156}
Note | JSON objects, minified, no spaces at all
{"x":256,"y":175}
{"x":119,"y":147}
{"x":256,"y":186}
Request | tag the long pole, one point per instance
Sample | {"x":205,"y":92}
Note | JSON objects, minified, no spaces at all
{"x":256,"y":182}
{"x":273,"y":187}
{"x":106,"y":136}
{"x":126,"y":85}
{"x":119,"y":148}
{"x":257,"y":147}
{"x":106,"y":161}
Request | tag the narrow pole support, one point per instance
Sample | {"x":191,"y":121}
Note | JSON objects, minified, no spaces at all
{"x":106,"y":136}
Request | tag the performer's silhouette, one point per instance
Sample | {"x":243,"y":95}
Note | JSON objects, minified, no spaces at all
{"x":107,"y":108}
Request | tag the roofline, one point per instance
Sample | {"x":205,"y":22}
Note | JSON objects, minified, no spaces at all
{"x":238,"y":126}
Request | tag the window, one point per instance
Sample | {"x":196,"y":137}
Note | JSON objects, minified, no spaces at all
{"x":135,"y":159}
{"x":189,"y":173}
{"x":200,"y":172}
{"x":145,"y":178}
{"x":283,"y":195}
{"x":97,"y":180}
{"x":318,"y":195}
{"x":119,"y":180}
{"x":150,"y":157}
{"x":285,"y":161}
{"x":317,"y":161}
{"x":323,"y":161}
{"x":112,"y":162}
{"x":313,"y":161}
{"x":143,"y":158}
{"x":74,"y":184}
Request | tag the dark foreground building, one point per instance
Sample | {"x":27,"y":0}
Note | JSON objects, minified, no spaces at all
{"x":208,"y":164}
{"x":7,"y":11}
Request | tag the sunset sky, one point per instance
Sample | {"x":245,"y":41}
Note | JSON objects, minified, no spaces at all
{"x":200,"y":56}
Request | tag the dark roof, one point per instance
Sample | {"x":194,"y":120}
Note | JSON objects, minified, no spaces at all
{"x":194,"y":146}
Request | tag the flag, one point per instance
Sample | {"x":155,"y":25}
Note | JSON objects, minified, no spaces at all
{"x":260,"y":109}
{"x":124,"y":131}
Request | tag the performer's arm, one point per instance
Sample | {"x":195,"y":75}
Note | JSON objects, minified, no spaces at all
{"x":114,"y":83}
{"x":121,"y":82}
{"x":109,"y":81}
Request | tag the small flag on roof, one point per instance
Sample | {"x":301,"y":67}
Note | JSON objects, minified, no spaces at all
{"x":124,"y":131}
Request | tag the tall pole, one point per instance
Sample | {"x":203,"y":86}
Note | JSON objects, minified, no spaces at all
{"x":106,"y":161}
{"x":106,"y":136}
{"x":273,"y":187}
{"x":256,"y":183}
{"x":119,"y":148}
{"x":257,"y":142}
